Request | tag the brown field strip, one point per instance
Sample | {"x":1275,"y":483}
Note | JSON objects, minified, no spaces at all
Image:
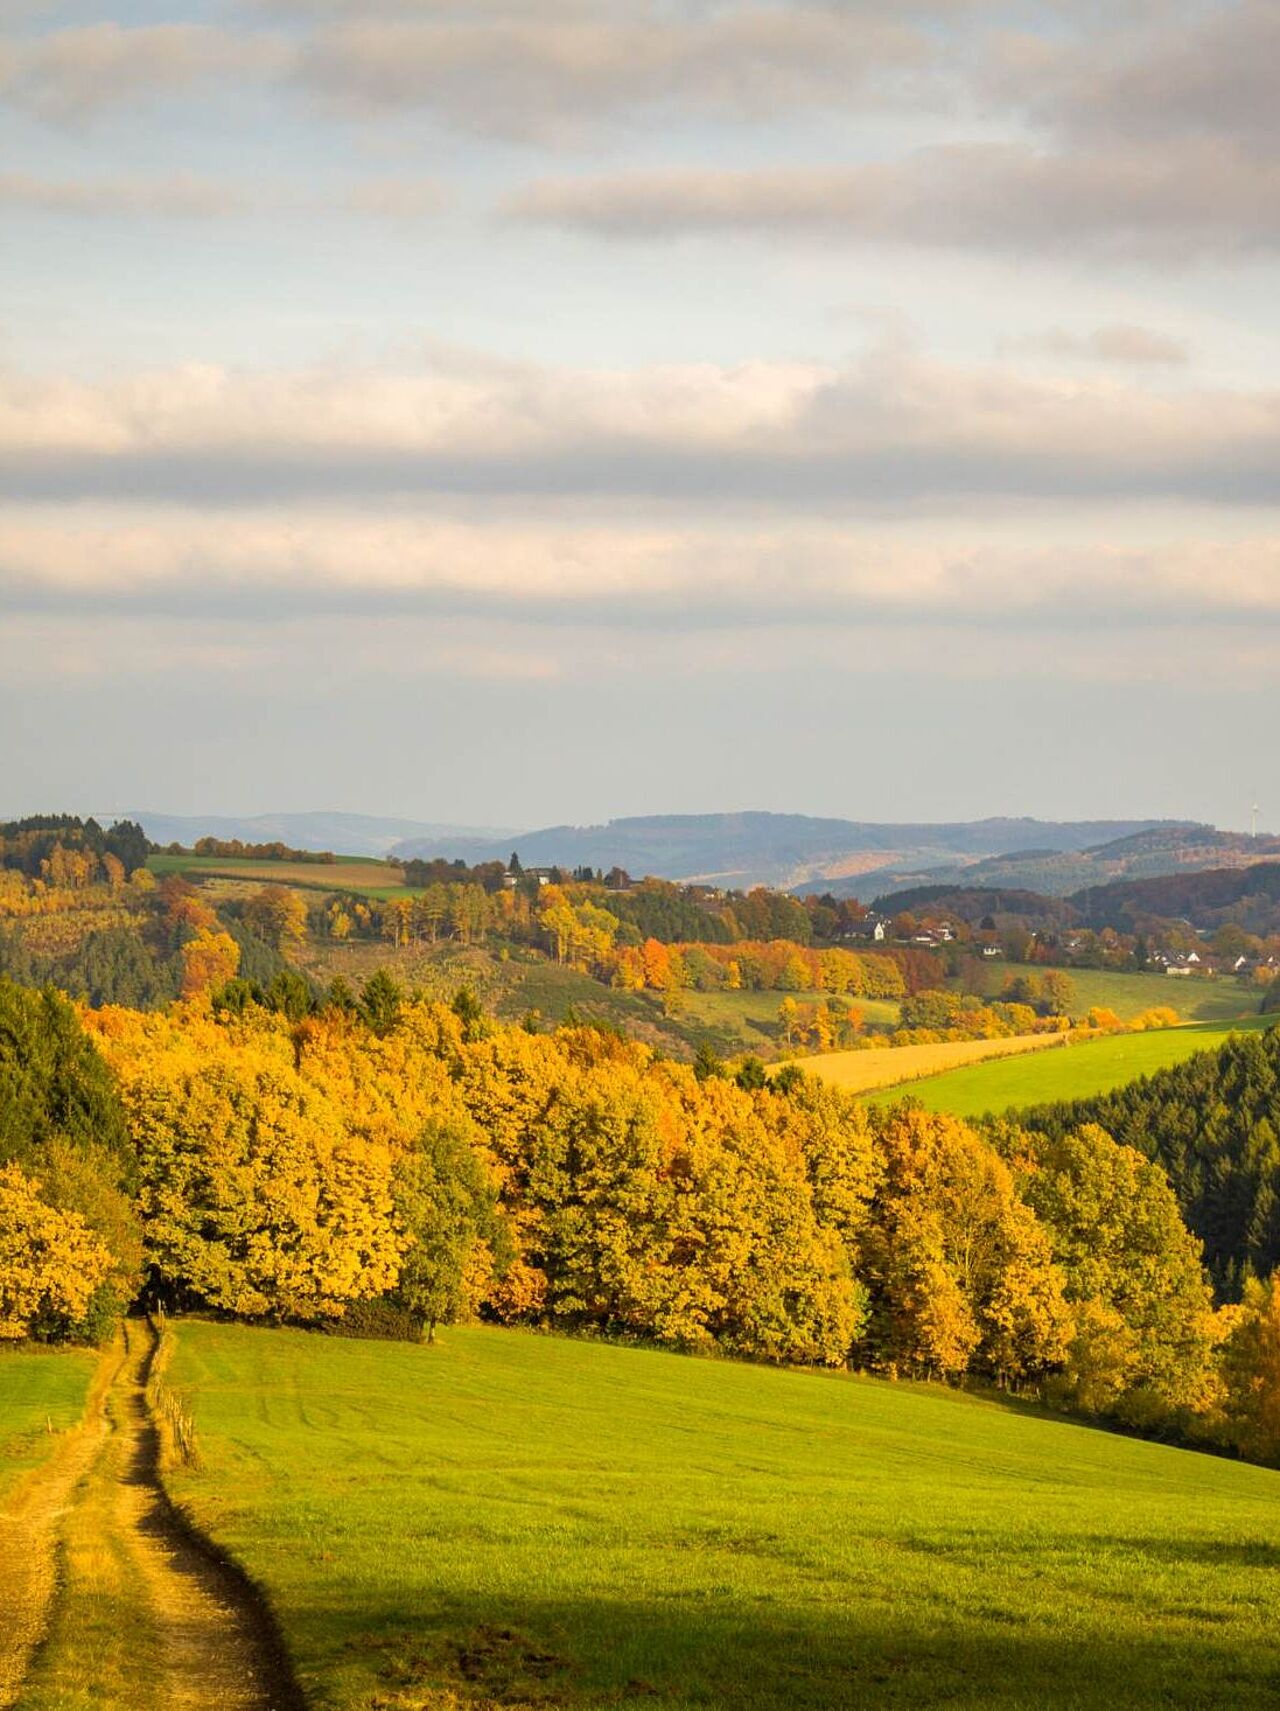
{"x":866,"y":1071}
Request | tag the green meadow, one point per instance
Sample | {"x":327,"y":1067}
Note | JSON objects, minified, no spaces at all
{"x":1195,"y":999}
{"x":363,"y":875}
{"x":748,"y":1021}
{"x":42,"y":1392}
{"x":1070,"y":1072}
{"x":506,"y":1519}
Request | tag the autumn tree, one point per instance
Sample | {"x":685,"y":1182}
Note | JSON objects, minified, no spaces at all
{"x":209,"y":960}
{"x":256,"y":1196}
{"x":1133,"y":1271}
{"x":1251,"y":1372}
{"x":277,"y":915}
{"x":51,"y":1263}
{"x":961,"y":1274}
{"x":62,"y":1125}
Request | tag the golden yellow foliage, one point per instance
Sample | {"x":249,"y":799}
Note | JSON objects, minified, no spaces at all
{"x":50,"y":1261}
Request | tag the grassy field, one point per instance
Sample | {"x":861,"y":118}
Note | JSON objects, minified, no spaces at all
{"x":748,"y":1021}
{"x":1195,"y":1000}
{"x":864,"y":1071}
{"x":1076,"y":1072}
{"x":362,"y":874}
{"x":39,"y":1389}
{"x":508,"y":1519}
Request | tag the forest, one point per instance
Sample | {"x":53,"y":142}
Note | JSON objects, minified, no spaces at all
{"x":382,"y":1164}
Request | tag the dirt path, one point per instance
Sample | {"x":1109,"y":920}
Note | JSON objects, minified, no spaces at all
{"x":198,"y":1638}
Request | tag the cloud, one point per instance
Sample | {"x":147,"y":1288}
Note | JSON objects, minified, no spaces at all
{"x":890,"y":430}
{"x":1124,"y":345}
{"x":555,"y":76}
{"x":532,"y":578}
{"x":1197,"y":202}
{"x":186,"y":198}
{"x":73,"y":74}
{"x":1209,"y":72}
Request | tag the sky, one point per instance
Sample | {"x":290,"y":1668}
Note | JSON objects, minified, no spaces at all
{"x":522,"y":411}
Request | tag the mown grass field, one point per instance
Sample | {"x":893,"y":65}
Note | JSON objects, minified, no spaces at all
{"x":865,"y":1071}
{"x":362,"y":874}
{"x":1128,"y":995}
{"x":1076,"y":1072}
{"x":42,"y":1392}
{"x":525,"y":1520}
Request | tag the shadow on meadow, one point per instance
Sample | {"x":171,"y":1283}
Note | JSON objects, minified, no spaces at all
{"x":687,"y":1652}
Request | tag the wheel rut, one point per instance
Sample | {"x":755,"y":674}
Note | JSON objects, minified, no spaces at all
{"x":210,"y":1642}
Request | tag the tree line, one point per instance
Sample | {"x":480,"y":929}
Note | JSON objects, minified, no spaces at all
{"x":1212,"y":1123}
{"x":387,"y":1161}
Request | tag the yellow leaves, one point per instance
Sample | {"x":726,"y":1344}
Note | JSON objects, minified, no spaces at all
{"x":1251,"y":1367}
{"x":50,"y":1261}
{"x":959,"y":1269}
{"x":277,"y":914}
{"x":208,"y":961}
{"x":791,"y":1226}
{"x":257,"y":1192}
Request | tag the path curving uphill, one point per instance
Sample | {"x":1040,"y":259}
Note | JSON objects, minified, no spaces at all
{"x":198,"y":1639}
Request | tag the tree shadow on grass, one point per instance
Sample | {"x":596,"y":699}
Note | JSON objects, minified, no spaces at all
{"x":715,"y":1653}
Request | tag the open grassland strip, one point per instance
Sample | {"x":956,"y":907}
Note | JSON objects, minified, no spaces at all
{"x":373,"y":878}
{"x":509,"y":1519}
{"x":748,"y":1021}
{"x":892,"y":1066}
{"x":145,"y":1615}
{"x":1196,"y":998}
{"x":33,"y":1505}
{"x":42,"y":1395}
{"x":1080,"y":1072}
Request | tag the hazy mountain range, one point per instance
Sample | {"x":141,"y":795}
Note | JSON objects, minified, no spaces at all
{"x":344,"y":834}
{"x":784,"y":850}
{"x":1151,"y":854}
{"x":852,"y":858}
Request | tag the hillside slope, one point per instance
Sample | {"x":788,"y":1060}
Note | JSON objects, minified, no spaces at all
{"x":511,"y":1519}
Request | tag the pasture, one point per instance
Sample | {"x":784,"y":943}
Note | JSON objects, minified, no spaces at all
{"x":1196,"y":999}
{"x":42,"y":1393}
{"x":512,"y":1519}
{"x":362,"y":874}
{"x":893,"y":1066}
{"x":748,"y":1021}
{"x":1077,"y":1072}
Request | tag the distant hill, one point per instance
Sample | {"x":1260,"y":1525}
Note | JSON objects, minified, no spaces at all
{"x":975,"y":904}
{"x":1247,"y":896}
{"x":784,"y":850}
{"x":1151,"y":852}
{"x":344,"y":834}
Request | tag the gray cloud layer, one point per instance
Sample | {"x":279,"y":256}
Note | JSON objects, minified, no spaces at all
{"x":1154,"y":130}
{"x":1192,"y":202}
{"x":262,"y":566}
{"x":890,"y":430}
